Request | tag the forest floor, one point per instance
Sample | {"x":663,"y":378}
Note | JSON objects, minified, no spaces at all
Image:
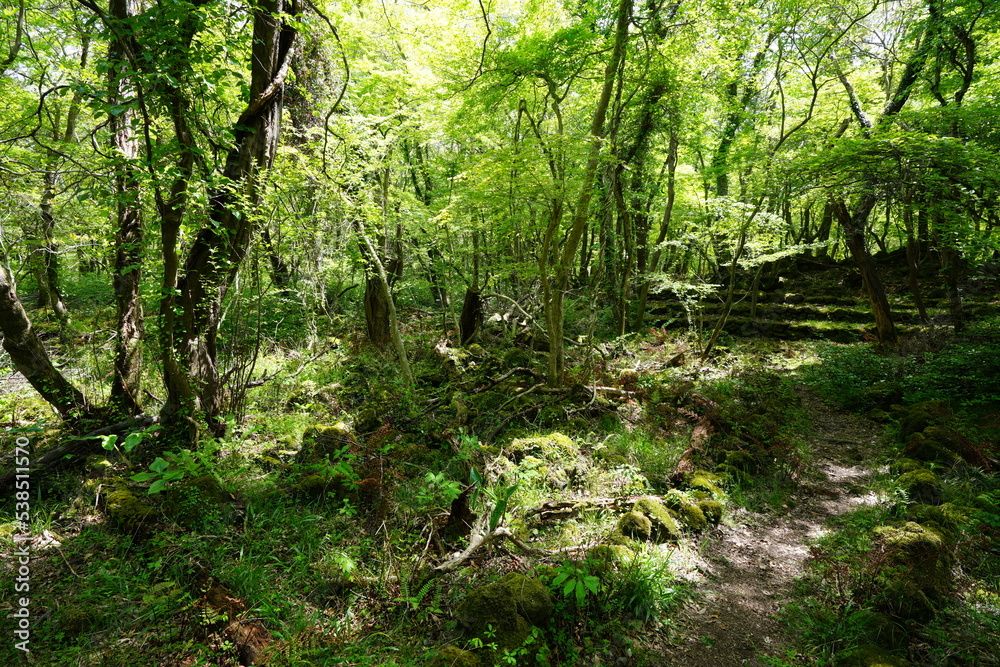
{"x":750,"y":566}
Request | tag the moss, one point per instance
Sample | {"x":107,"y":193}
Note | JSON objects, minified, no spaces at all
{"x":99,"y":464}
{"x":554,"y":447}
{"x":921,"y":486}
{"x":882,"y":629}
{"x":712,"y":509}
{"x":947,"y":515}
{"x":605,"y":558}
{"x":126,"y":510}
{"x":452,"y":656}
{"x":739,"y":460}
{"x":320,"y":442}
{"x":902,"y":465}
{"x":531,"y":598}
{"x":75,"y":620}
{"x":663,"y":523}
{"x":870,"y":655}
{"x":882,"y":394}
{"x":505,"y":610}
{"x":635,"y":525}
{"x":919,"y":416}
{"x":319,"y":486}
{"x":706,"y":481}
{"x":919,"y":569}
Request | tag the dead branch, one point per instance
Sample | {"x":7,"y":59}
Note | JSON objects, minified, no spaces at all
{"x":70,"y":445}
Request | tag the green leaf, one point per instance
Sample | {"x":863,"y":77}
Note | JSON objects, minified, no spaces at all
{"x":570,"y":585}
{"x":158,"y":465}
{"x":109,"y":442}
{"x":132,"y":441}
{"x":144,"y":476}
{"x":157,"y":486}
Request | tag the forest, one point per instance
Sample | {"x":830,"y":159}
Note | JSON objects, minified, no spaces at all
{"x":500,"y":332}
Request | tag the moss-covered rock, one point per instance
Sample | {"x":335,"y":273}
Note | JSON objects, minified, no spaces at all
{"x":708,"y":482}
{"x":712,"y":509}
{"x":918,"y":569}
{"x":947,"y":515}
{"x":882,"y":394}
{"x":635,"y":525}
{"x":503,"y":612}
{"x":553,"y":447}
{"x":325,"y":442}
{"x":605,"y":558}
{"x":531,"y":597}
{"x":333,"y":484}
{"x":917,"y":417}
{"x":870,"y":655}
{"x":128,"y":511}
{"x":899,"y":466}
{"x":99,"y":465}
{"x":689,"y":513}
{"x":663,"y":522}
{"x":921,"y":486}
{"x":452,"y":656}
{"x":881,"y":629}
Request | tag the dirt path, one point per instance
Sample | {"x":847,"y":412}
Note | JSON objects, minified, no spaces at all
{"x":749,"y":569}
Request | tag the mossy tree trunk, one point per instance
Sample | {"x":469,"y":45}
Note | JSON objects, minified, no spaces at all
{"x":30,"y":358}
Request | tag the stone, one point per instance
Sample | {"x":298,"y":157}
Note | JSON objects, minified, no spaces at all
{"x":503,"y":612}
{"x":921,"y":486}
{"x":663,"y":523}
{"x":324,"y":442}
{"x":712,"y":509}
{"x":635,"y":525}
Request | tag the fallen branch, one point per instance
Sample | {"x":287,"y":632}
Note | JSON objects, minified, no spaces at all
{"x":480,"y":540}
{"x":70,"y":445}
{"x":267,"y":378}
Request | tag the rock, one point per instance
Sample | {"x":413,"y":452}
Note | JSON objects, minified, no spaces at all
{"x":794,"y":299}
{"x":919,"y":572}
{"x":552,"y":447}
{"x":503,"y":612}
{"x":322,"y":442}
{"x":198,"y":503}
{"x":126,"y":510}
{"x":882,"y":394}
{"x":919,"y":416}
{"x":947,"y":515}
{"x":690,"y":514}
{"x":712,"y":509}
{"x":921,"y":486}
{"x":636,"y":525}
{"x":663,"y":523}
{"x":739,"y":460}
{"x":707,"y":482}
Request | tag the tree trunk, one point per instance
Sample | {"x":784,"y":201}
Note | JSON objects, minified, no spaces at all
{"x":951,"y":261}
{"x":560,"y":277}
{"x":654,"y":263}
{"x":218,"y":250}
{"x":377,"y":312}
{"x":854,"y":237}
{"x":126,"y":384}
{"x":30,"y":358}
{"x":472,"y":315}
